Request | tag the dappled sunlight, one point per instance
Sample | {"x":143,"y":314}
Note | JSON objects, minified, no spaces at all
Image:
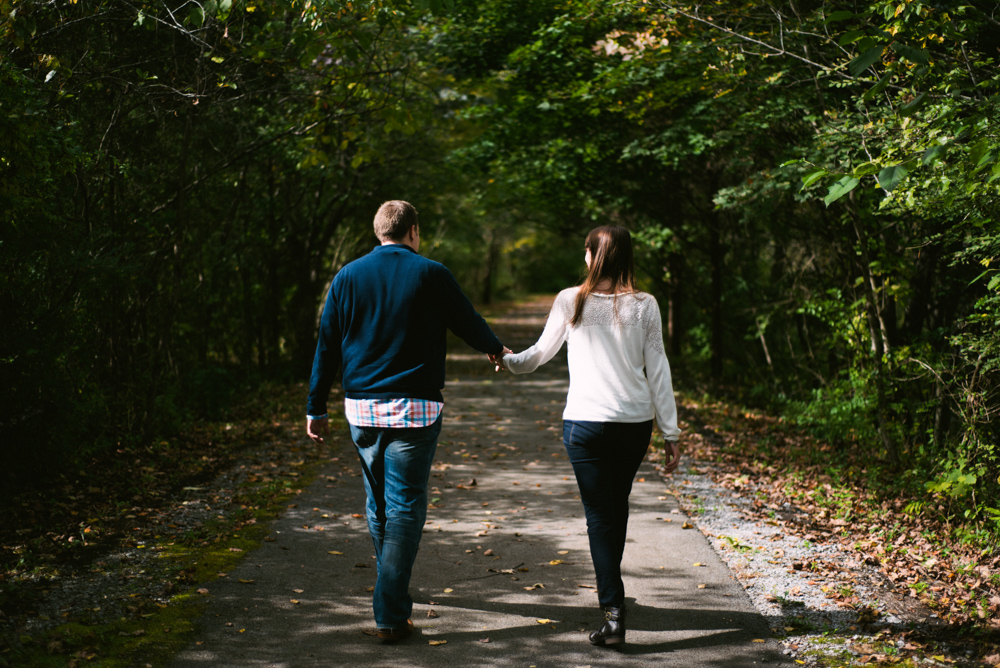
{"x":503,"y":576}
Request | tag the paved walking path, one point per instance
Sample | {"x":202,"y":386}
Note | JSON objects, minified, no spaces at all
{"x":503,"y":577}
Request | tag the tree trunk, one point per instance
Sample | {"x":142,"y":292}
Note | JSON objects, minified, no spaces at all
{"x":677,"y":304}
{"x":879,"y":341}
{"x":717,"y":261}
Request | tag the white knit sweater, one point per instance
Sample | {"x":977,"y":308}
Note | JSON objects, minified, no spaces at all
{"x":609,"y":349}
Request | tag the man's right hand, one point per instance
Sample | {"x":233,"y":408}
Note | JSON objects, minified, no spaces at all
{"x":317,"y":429}
{"x":498,"y":359}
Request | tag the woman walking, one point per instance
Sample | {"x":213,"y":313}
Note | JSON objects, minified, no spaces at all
{"x":619,"y":382}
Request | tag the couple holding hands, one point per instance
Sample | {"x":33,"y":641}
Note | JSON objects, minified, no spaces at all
{"x":384,"y":326}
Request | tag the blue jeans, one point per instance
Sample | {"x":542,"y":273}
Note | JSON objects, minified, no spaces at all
{"x":605,"y":457}
{"x":397,"y":464}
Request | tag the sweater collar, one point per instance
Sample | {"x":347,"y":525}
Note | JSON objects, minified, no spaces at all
{"x":389,"y":248}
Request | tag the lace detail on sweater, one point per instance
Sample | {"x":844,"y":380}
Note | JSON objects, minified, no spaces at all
{"x":636,"y":309}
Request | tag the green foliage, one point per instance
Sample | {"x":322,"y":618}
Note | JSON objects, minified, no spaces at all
{"x":169,"y":227}
{"x":813,"y":193}
{"x":813,"y":190}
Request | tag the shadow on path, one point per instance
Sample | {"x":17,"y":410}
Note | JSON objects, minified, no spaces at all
{"x":504,"y":575}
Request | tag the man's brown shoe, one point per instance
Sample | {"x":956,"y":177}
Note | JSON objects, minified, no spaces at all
{"x":390,"y":636}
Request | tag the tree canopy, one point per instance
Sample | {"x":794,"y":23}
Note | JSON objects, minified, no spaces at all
{"x":812,"y":187}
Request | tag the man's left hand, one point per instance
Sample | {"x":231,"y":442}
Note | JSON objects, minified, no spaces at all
{"x":317,"y":429}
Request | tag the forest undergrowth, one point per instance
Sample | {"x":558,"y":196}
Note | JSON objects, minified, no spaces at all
{"x":824,"y":493}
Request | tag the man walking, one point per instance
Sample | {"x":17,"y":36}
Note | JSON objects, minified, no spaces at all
{"x":384,"y":322}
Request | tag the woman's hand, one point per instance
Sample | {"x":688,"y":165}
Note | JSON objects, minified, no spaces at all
{"x":673,"y":456}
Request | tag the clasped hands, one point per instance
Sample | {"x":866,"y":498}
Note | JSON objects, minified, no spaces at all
{"x":498,"y":359}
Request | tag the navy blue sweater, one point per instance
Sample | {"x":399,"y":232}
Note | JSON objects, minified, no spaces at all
{"x":384,"y":321}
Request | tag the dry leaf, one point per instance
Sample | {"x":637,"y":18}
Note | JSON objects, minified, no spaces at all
{"x":334,"y":552}
{"x":555,"y":562}
{"x":687,"y":525}
{"x":295,"y":601}
{"x":437,"y":642}
{"x":563,"y":552}
{"x":448,"y":590}
{"x":246,"y":582}
{"x":298,"y":591}
{"x":546,"y":621}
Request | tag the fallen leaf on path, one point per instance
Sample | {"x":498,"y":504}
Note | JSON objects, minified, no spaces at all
{"x":698,"y":564}
{"x":537,"y":585}
{"x":432,"y":614}
{"x":437,"y":642}
{"x":246,"y":582}
{"x":687,"y":525}
{"x":448,"y":590}
{"x":484,"y":640}
{"x":563,"y":552}
{"x":587,"y":586}
{"x":758,"y":640}
{"x":295,"y":601}
{"x":202,"y":591}
{"x":702,"y":586}
{"x":555,"y":562}
{"x":298,"y":591}
{"x":546,"y":621}
{"x":334,"y":552}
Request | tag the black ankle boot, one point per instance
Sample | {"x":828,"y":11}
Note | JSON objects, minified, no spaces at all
{"x":612,"y":631}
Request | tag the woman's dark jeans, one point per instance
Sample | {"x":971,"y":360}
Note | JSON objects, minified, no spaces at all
{"x":605,"y":457}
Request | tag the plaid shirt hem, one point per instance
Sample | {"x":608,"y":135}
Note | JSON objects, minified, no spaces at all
{"x":392,"y":413}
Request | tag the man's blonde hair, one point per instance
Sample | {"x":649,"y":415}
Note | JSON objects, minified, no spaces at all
{"x":394,"y":220}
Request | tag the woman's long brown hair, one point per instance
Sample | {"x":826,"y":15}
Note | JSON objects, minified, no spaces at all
{"x":610,"y":258}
